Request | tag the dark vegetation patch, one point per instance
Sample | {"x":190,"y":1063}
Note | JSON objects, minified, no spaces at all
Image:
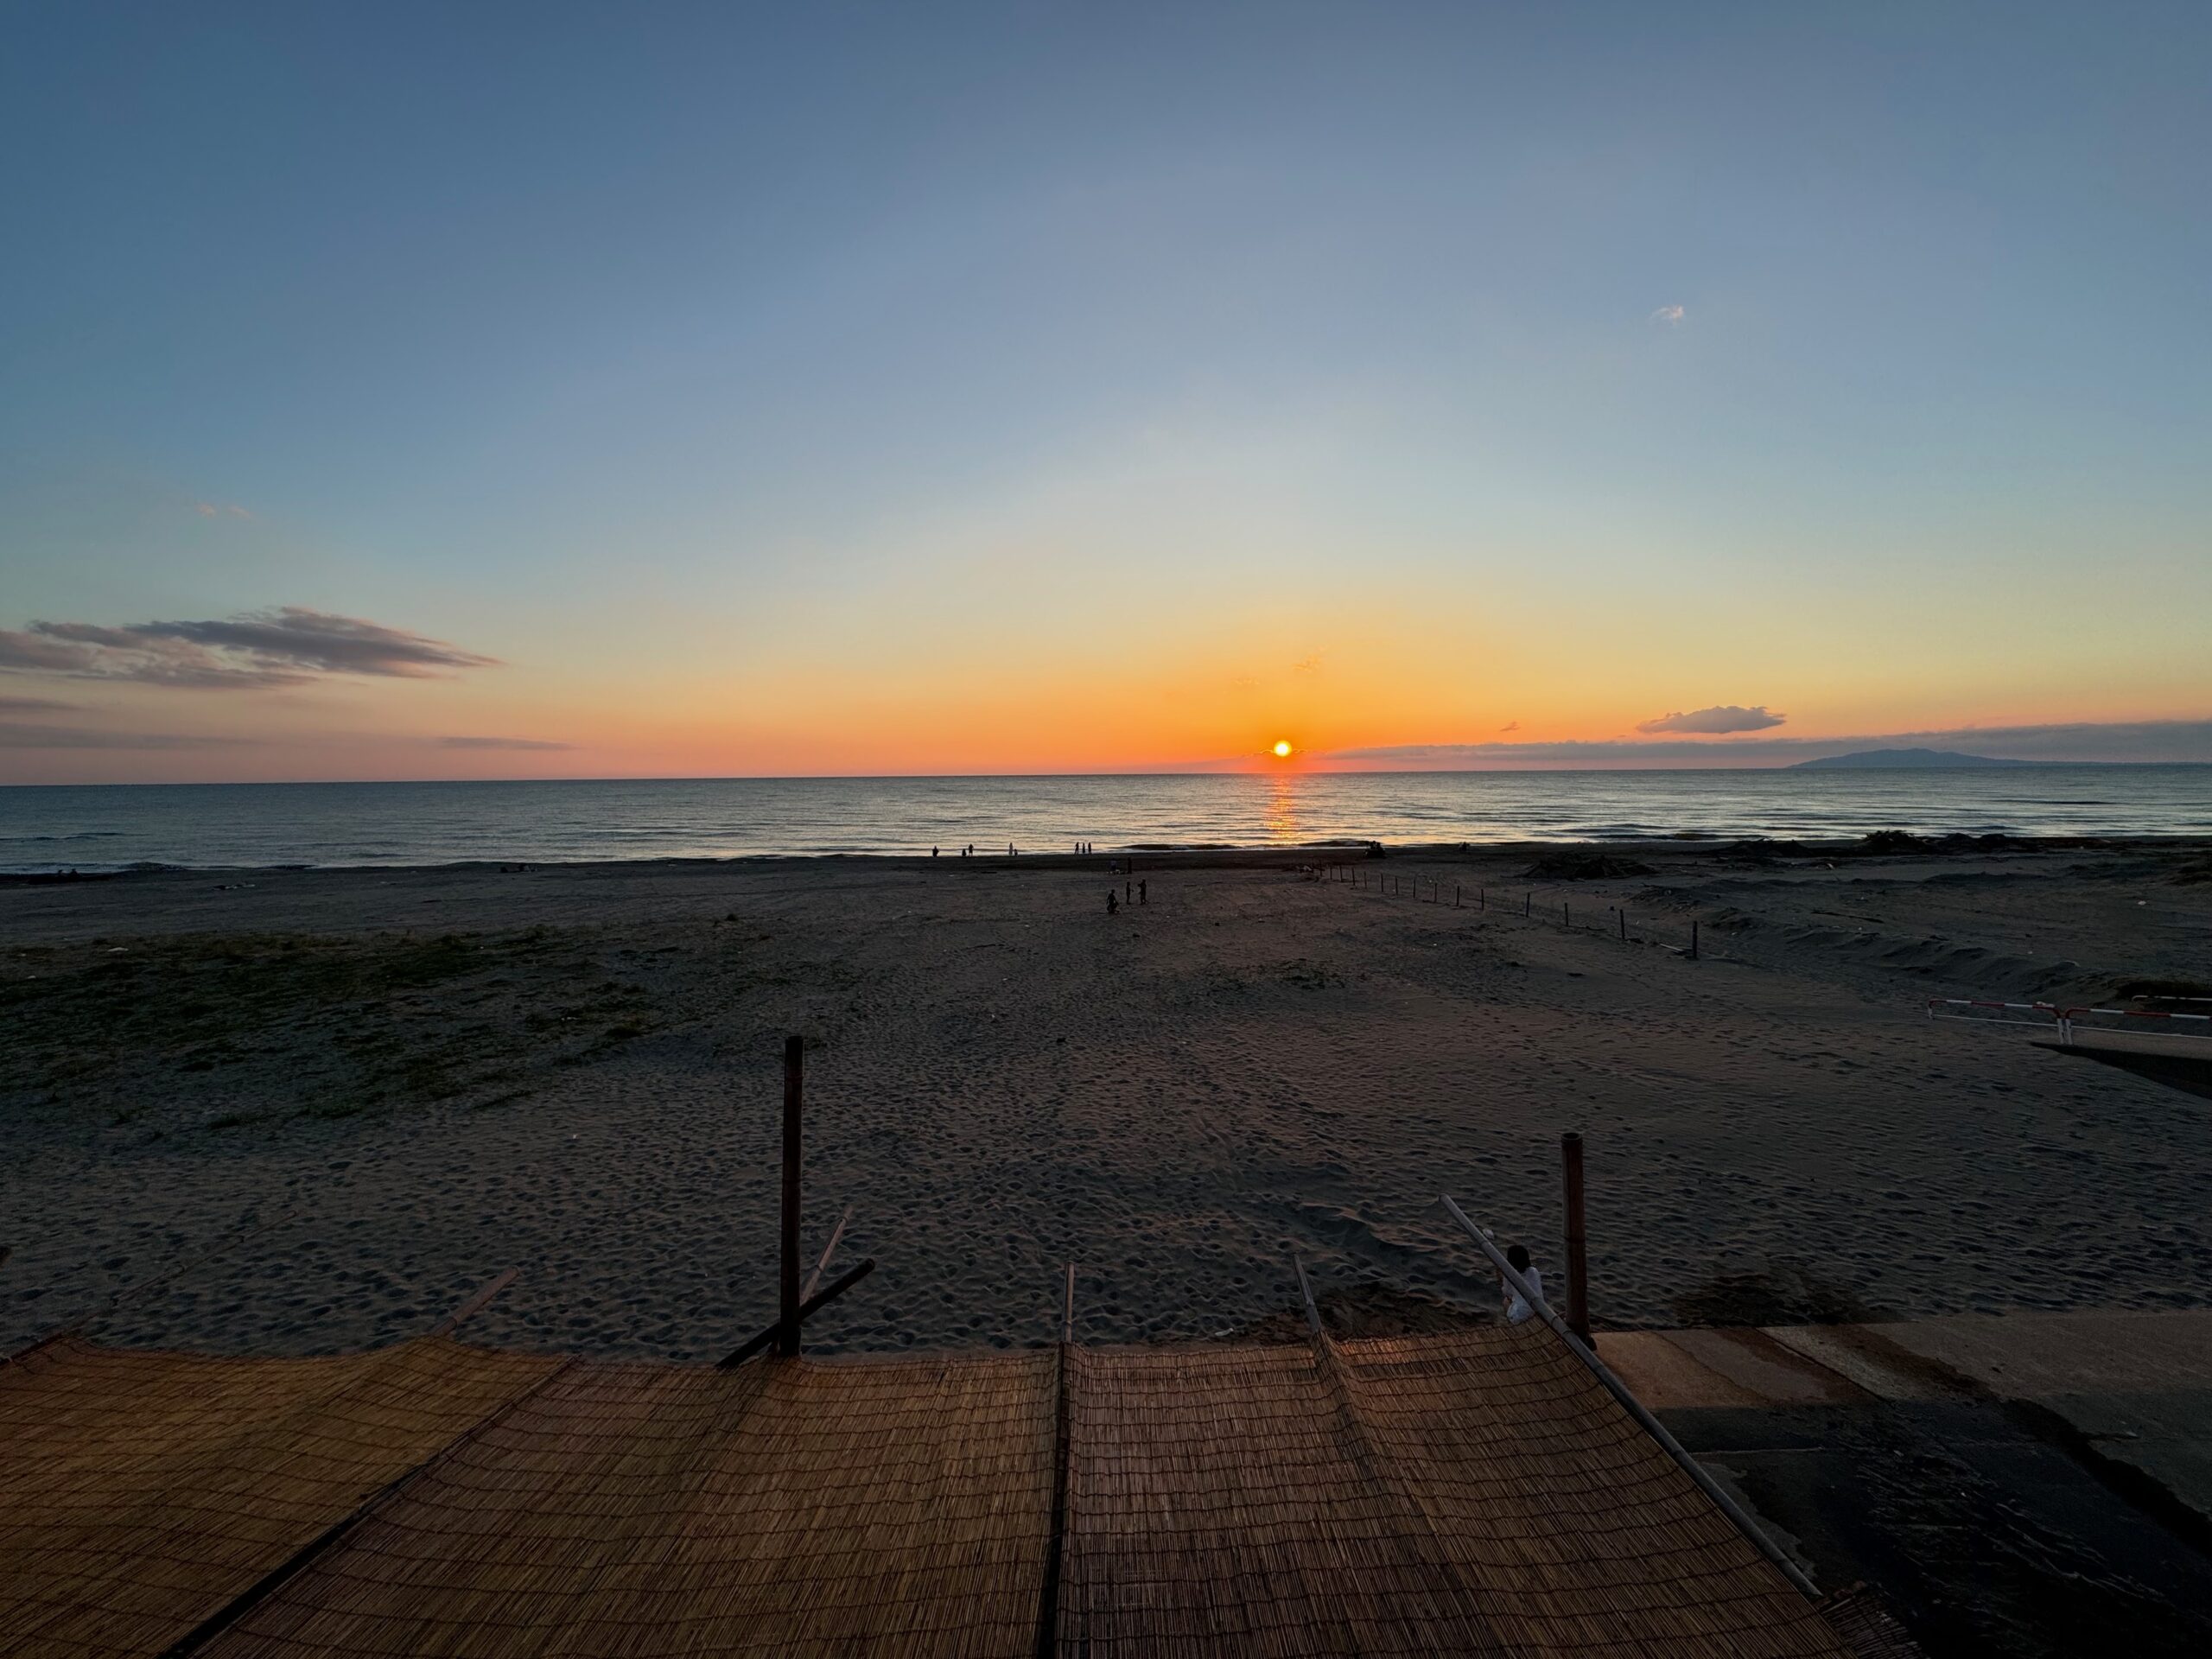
{"x":229,"y":1031}
{"x":1886,"y":842}
{"x":1584,"y":864}
{"x":1310,"y":976}
{"x":1760,"y":851}
{"x":1786,"y":1291}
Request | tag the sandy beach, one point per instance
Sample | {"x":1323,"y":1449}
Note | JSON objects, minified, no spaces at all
{"x":401,"y":1081}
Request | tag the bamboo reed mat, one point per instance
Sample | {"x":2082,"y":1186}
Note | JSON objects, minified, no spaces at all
{"x":789,"y":1507}
{"x":1474,"y":1492}
{"x":141,"y":1493}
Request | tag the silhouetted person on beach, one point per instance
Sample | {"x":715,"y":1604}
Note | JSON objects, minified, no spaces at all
{"x":1517,"y":1306}
{"x":1112,"y":903}
{"x":1140,"y":897}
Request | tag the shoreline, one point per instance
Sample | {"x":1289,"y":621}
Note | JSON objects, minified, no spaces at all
{"x":1205,"y":854}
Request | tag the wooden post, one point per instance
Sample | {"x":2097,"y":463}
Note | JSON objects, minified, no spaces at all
{"x":1528,"y":904}
{"x":1623,"y":927}
{"x":1693,"y":941}
{"x":1067,"y":1308}
{"x":1578,"y":1246}
{"x":794,"y":1064}
{"x":1566,"y":914}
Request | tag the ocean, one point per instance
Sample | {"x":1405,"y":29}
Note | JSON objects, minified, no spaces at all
{"x":248,"y":825}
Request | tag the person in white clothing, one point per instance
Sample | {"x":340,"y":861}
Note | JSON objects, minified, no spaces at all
{"x":1517,"y":1306}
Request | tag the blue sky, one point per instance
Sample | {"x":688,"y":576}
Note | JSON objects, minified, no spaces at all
{"x":898,"y":388}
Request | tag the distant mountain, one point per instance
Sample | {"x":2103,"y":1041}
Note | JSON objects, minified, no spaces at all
{"x":1868,"y":760}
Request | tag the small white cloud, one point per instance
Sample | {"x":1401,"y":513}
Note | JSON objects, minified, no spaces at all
{"x":1667,"y":313}
{"x":237,"y":512}
{"x":205,"y":509}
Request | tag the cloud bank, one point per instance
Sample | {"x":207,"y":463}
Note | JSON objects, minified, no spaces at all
{"x":14,"y":735}
{"x":261,"y":649}
{"x":2144,"y":740}
{"x":1726,"y":718}
{"x":532,"y":743}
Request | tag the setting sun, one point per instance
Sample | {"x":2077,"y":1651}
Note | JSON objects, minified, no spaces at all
{"x":1283,"y":748}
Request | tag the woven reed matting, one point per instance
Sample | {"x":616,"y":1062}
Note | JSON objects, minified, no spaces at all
{"x":1575,"y":1529}
{"x":141,"y":1493}
{"x":787,"y":1508}
{"x":1474,"y":1492}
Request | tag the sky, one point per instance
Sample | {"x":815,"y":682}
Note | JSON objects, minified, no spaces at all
{"x":547,"y":391}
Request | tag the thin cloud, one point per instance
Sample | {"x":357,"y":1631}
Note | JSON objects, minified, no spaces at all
{"x":19,"y":735}
{"x":286,"y":647}
{"x":1668,"y":313}
{"x":1307,"y":664}
{"x":1510,"y":726}
{"x":33,"y":706}
{"x":532,"y":743}
{"x":2148,"y":742}
{"x":1727,"y":717}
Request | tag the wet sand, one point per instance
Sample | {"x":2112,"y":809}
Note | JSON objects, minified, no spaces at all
{"x":412,"y":1079}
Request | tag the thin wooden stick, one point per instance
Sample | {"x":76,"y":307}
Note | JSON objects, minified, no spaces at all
{"x":1067,"y":1308}
{"x":1578,"y":1236}
{"x":828,"y":1250}
{"x":1313,"y":1312}
{"x":754,"y":1344}
{"x":788,"y":1298}
{"x":476,"y":1304}
{"x":1635,"y":1408}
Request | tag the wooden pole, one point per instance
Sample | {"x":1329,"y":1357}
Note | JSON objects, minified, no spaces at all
{"x":1067,"y":1308}
{"x":794,"y":1067}
{"x":1578,"y":1243}
{"x":1623,"y":927}
{"x":1693,"y":941}
{"x":1566,"y":914}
